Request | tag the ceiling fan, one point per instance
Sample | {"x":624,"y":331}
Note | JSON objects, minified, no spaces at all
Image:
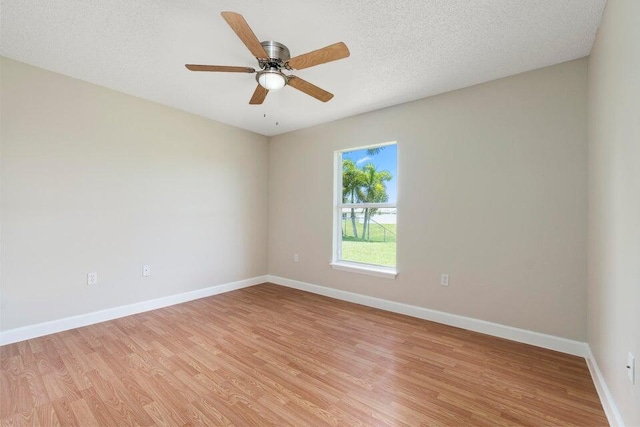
{"x":273,"y":57}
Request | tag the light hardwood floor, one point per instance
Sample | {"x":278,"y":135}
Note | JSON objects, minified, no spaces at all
{"x":269,"y":355}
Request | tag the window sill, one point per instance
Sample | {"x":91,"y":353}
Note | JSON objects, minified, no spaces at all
{"x":387,"y":272}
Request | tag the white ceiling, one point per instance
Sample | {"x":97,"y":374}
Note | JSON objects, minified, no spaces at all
{"x":400,"y":50}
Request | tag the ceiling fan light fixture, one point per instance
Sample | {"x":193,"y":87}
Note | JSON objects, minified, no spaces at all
{"x":271,"y":79}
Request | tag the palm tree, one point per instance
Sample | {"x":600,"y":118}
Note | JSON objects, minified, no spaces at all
{"x":374,"y":190}
{"x":352,"y":182}
{"x":375,"y":150}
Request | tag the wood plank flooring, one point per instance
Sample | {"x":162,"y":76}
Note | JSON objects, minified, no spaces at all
{"x":269,"y":355}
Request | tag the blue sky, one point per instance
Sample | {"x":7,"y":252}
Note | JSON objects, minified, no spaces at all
{"x":386,"y":159}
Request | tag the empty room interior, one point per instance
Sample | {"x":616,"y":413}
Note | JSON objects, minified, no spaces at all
{"x":320,"y":213}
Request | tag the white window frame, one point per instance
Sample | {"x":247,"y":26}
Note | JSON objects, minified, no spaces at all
{"x":337,"y":262}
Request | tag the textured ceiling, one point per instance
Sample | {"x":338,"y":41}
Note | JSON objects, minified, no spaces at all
{"x":400,"y":50}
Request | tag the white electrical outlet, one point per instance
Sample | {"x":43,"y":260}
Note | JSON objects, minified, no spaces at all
{"x":92,"y":278}
{"x":444,"y":280}
{"x":296,"y":258}
{"x":146,"y":270}
{"x":631,"y":368}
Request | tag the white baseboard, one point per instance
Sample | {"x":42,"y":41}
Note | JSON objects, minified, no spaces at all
{"x":46,"y":328}
{"x":608,"y":404}
{"x":551,"y":342}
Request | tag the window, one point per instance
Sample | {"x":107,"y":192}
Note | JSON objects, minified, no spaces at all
{"x":365,"y":210}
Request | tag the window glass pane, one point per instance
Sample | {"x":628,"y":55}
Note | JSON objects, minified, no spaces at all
{"x":369,"y":236}
{"x":369,"y":175}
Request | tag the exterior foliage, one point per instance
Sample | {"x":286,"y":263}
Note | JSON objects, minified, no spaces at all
{"x":363,"y":185}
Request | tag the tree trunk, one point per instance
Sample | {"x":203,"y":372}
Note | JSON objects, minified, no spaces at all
{"x":353,"y":223}
{"x":365,"y":225}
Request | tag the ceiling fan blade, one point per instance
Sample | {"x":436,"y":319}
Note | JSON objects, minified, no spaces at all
{"x":259,"y":95}
{"x":243,"y":30}
{"x":321,"y":56}
{"x":309,"y":89}
{"x":223,"y":68}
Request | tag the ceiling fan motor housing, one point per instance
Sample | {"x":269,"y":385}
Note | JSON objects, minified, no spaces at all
{"x":277,"y":52}
{"x":271,"y":77}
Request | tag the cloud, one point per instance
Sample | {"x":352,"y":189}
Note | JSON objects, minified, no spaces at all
{"x":362,"y":160}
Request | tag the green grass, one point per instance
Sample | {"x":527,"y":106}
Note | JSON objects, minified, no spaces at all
{"x":379,"y":253}
{"x":377,"y":232}
{"x":379,"y":249}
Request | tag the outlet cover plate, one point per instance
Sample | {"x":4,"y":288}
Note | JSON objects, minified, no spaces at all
{"x":444,"y":280}
{"x":92,"y":278}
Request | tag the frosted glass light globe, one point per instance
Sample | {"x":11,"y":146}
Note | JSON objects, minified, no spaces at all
{"x":271,"y":80}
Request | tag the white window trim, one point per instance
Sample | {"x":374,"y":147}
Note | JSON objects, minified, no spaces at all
{"x":365,"y":205}
{"x":369,"y":269}
{"x":337,"y":263}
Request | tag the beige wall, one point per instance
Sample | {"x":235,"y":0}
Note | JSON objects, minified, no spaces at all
{"x":614,"y":202}
{"x":492,"y":190}
{"x":95,"y":180}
